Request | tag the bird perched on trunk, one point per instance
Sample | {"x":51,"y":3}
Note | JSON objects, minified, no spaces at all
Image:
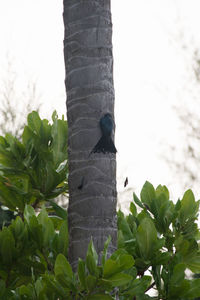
{"x":126,"y":182}
{"x":105,"y":144}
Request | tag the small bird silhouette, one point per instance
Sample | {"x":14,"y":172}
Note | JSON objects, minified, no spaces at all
{"x":126,"y":182}
{"x":105,"y":144}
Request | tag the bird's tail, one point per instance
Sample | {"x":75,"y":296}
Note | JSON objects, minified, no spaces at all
{"x":104,"y":145}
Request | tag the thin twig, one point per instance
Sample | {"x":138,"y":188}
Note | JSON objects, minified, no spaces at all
{"x":150,"y":287}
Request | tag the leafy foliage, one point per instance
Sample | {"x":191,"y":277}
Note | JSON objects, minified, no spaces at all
{"x":157,"y":241}
{"x":163,"y":240}
{"x":150,"y":254}
{"x":35,"y":169}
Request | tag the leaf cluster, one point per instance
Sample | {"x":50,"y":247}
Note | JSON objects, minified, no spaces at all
{"x":35,"y":169}
{"x":163,"y":240}
{"x":29,"y":248}
{"x":158,"y":242}
{"x":151,"y":255}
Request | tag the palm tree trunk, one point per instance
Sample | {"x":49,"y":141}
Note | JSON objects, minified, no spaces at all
{"x":90,"y":95}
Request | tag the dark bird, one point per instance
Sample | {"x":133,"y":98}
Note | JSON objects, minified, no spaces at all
{"x":105,"y":144}
{"x":126,"y":182}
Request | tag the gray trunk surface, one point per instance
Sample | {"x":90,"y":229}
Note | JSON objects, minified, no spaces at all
{"x":90,"y":94}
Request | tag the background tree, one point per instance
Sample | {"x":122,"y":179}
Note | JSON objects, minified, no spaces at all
{"x":14,"y":108}
{"x":15,"y":105}
{"x":90,"y":95}
{"x":184,"y":156}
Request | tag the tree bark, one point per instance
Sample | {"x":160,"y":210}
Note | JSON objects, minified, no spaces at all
{"x":90,"y":95}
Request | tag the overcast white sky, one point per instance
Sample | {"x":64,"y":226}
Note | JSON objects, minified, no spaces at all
{"x":149,"y":71}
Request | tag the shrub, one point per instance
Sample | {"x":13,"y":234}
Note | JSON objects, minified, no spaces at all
{"x":157,"y":241}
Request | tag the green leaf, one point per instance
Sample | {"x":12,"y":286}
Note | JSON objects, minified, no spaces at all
{"x":92,"y":259}
{"x":178,"y":205}
{"x":162,"y":190}
{"x":179,"y":291}
{"x":15,"y":149}
{"x":7,"y":197}
{"x":118,"y":279}
{"x":18,"y":226}
{"x":132,"y":271}
{"x":91,"y":282}
{"x":139,"y":286}
{"x":59,"y":190}
{"x":92,"y":251}
{"x":7,"y":246}
{"x":62,"y":267}
{"x":51,"y":177}
{"x":189,"y":207}
{"x":56,"y":220}
{"x":137,"y":201}
{"x":25,"y":265}
{"x":178,"y":274}
{"x":116,"y":255}
{"x":36,"y":231}
{"x":194,"y":290}
{"x":147,"y":194}
{"x":165,"y":214}
{"x":146,"y":238}
{"x":54,"y":287}
{"x":28,"y":213}
{"x":63,"y":239}
{"x":120,"y":240}
{"x":111,"y":267}
{"x":104,"y":255}
{"x":82,"y":272}
{"x":133,"y":209}
{"x":126,"y":261}
{"x":59,"y":141}
{"x":193,"y":263}
{"x":117,"y":263}
{"x":42,"y":216}
{"x":34,"y":122}
{"x":161,"y":258}
{"x":124,"y":227}
{"x":187,"y":248}
{"x":25,"y":291}
{"x":39,"y":288}
{"x":91,"y":265}
{"x":60,"y":212}
{"x":47,"y":227}
{"x":45,"y":132}
{"x":33,"y":225}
